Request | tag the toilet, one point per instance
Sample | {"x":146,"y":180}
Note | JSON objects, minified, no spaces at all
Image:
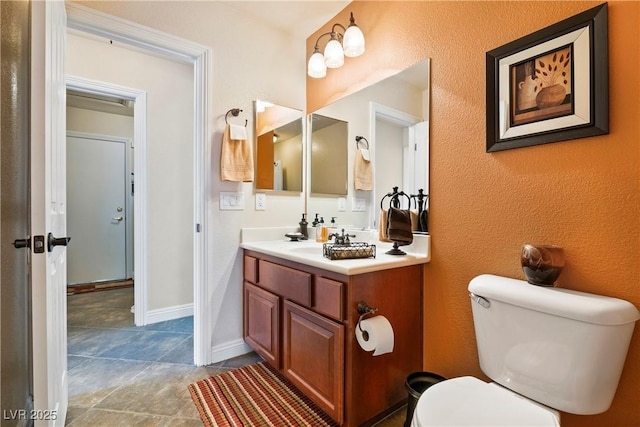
{"x":546,"y":350}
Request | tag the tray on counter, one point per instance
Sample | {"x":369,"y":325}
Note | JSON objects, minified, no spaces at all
{"x":335,"y":251}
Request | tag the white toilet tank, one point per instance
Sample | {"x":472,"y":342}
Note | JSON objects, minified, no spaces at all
{"x":562,"y":348}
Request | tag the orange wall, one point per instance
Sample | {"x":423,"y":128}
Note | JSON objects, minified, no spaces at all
{"x":582,"y":195}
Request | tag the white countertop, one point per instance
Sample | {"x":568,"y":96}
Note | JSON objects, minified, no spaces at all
{"x":271,"y":241}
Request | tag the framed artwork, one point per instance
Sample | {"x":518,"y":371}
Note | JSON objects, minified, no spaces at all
{"x":551,"y":85}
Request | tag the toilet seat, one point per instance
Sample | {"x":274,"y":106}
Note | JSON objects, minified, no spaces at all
{"x":468,"y":401}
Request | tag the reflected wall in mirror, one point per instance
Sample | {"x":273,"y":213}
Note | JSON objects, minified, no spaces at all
{"x":278,"y":147}
{"x":329,"y":139}
{"x":393,"y":116}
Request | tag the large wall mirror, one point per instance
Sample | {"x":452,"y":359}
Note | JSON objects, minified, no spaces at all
{"x":328,"y":165}
{"x":392,"y":116}
{"x":279,"y":139}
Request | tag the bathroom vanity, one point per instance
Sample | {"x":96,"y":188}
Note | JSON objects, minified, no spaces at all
{"x":300,"y":315}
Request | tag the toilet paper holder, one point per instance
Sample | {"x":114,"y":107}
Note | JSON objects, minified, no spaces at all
{"x":365,"y":309}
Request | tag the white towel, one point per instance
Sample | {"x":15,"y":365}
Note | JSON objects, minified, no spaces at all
{"x":237,"y":132}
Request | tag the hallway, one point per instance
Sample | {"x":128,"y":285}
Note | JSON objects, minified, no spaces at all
{"x":120,"y":374}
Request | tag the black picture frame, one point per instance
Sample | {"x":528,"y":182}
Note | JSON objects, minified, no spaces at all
{"x":571,"y":55}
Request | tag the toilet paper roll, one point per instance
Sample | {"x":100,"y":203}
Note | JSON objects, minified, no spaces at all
{"x":376,"y":335}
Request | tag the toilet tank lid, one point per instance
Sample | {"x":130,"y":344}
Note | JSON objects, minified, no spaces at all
{"x":581,"y":306}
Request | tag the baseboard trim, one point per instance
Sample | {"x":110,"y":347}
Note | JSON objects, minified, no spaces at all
{"x":105,"y":285}
{"x":229,"y":350}
{"x":169,"y":313}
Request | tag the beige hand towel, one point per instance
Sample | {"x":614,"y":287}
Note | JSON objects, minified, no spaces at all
{"x":382,"y":227}
{"x":236,"y":159}
{"x":363,"y":173}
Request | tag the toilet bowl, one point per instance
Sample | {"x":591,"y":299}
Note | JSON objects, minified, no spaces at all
{"x":468,"y":401}
{"x":531,"y":343}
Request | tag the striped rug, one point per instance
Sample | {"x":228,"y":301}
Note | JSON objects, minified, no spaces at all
{"x":254,"y":395}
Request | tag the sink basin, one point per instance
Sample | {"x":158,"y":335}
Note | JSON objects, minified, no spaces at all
{"x":307,"y":250}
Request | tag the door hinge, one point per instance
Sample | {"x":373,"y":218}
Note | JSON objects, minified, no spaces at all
{"x":197,"y":228}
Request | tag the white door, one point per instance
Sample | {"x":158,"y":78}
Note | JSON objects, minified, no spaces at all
{"x":48,"y":211}
{"x":416,"y":157}
{"x":96,"y":213}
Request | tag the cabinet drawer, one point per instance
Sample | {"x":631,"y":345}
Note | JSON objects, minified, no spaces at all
{"x":287,"y":282}
{"x":250,"y":269}
{"x":328,"y":298}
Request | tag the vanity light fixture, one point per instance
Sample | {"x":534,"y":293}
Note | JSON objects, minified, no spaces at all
{"x":350,"y":44}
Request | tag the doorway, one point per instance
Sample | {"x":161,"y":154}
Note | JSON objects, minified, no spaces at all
{"x":100,"y":189}
{"x":92,"y":22}
{"x":406,"y":162}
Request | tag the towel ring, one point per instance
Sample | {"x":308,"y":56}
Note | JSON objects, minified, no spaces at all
{"x":394,"y":197}
{"x":395,"y":191}
{"x":235,"y":112}
{"x":360,"y":138}
{"x":420,"y":199}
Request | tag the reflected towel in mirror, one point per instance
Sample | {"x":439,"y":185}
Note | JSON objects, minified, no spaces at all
{"x":415,"y":221}
{"x":363,"y":179}
{"x":382,"y":228}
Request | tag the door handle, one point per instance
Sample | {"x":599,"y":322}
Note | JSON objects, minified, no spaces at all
{"x":22,"y":243}
{"x":118,"y":218}
{"x":56,"y":241}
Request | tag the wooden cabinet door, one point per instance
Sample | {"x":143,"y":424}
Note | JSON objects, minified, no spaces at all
{"x":313,"y":357}
{"x":261,"y":323}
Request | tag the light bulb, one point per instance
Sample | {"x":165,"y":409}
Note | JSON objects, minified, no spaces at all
{"x":353,"y":41}
{"x":316,"y":67}
{"x":333,"y":54}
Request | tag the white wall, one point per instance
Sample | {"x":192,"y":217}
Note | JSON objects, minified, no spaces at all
{"x":169,"y":87}
{"x":89,"y":121}
{"x":249,"y":61}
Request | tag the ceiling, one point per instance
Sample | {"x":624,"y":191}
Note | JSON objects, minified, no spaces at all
{"x":299,"y":18}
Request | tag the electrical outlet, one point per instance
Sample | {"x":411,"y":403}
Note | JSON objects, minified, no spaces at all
{"x":342,"y":204}
{"x":261,"y":201}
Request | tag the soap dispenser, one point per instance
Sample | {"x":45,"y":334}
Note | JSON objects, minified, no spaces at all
{"x":303,"y":226}
{"x":315,"y":221}
{"x":321,"y":231}
{"x":334,"y":225}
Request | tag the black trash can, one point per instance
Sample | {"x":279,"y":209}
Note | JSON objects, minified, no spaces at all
{"x":416,"y":384}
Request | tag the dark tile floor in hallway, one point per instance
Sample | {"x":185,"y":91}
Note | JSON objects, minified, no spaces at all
{"x":123,"y":375}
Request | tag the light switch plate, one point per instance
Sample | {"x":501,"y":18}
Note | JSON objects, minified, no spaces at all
{"x":231,"y":201}
{"x":261,"y":201}
{"x":359,"y":204}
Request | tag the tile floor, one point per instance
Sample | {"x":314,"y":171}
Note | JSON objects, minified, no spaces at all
{"x":123,"y":375}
